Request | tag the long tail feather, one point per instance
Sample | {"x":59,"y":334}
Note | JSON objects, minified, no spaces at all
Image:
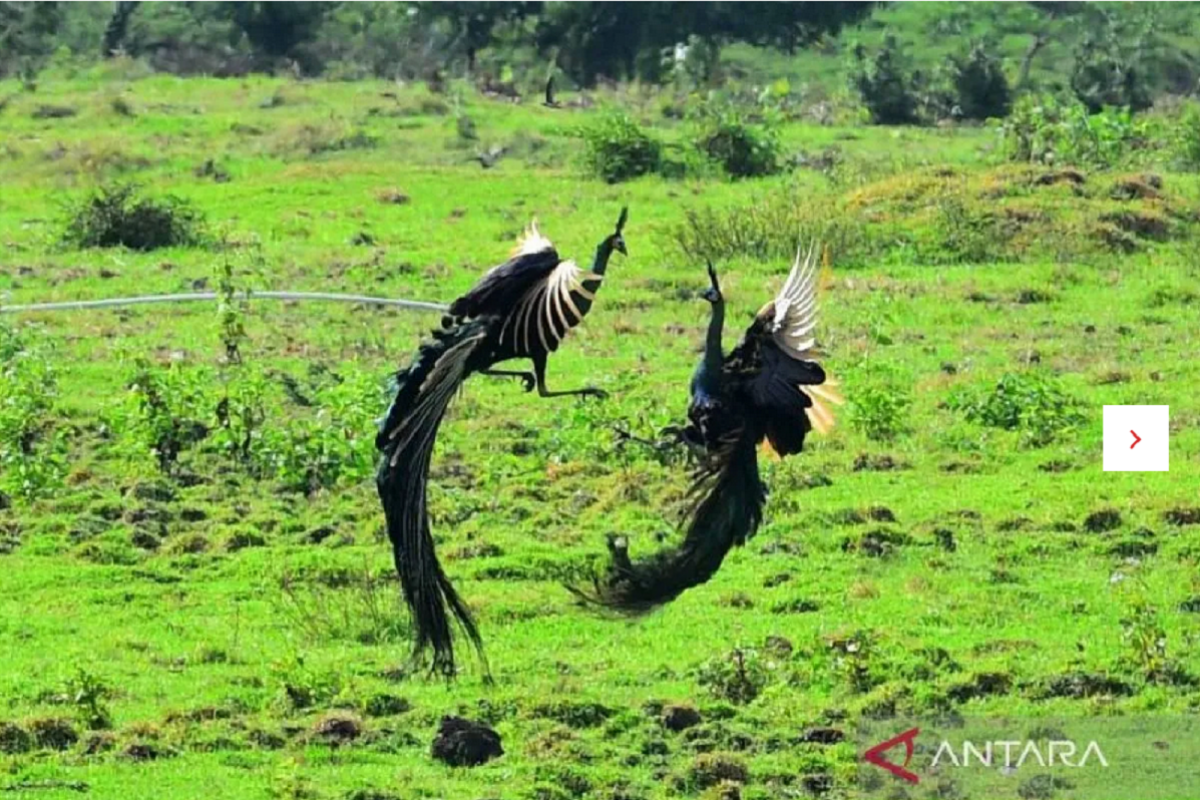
{"x":406,"y":440}
{"x":727,"y":512}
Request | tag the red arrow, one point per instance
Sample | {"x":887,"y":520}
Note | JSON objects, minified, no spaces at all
{"x":1136,"y":439}
{"x":875,"y":755}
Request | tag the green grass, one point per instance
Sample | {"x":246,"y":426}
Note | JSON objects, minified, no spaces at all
{"x":224,"y":657}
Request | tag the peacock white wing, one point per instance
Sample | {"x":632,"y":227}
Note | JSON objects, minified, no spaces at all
{"x":794,"y":330}
{"x":794,"y":325}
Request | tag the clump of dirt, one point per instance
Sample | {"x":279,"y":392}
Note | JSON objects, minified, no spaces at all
{"x":712,"y":769}
{"x":982,"y":684}
{"x":883,"y":462}
{"x":680,"y":717}
{"x":798,"y":605}
{"x":392,"y":197}
{"x":1013,"y":524}
{"x":386,"y":705}
{"x":876,"y":543}
{"x":1102,"y":521}
{"x":1078,"y":685}
{"x":337,"y":728}
{"x":142,"y":751}
{"x":1145,"y":223}
{"x":463,"y":743}
{"x":1182,"y":516}
{"x":1069,"y":176}
{"x":1137,"y":187}
{"x":771,"y":581}
{"x":14,"y":739}
{"x":53,"y":733}
{"x":824,"y":736}
{"x":778,"y":646}
{"x":572,"y":714}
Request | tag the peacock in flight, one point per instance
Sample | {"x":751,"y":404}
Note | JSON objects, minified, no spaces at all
{"x":520,"y":309}
{"x":770,"y":387}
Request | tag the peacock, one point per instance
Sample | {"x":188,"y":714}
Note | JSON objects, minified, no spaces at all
{"x":770,"y":387}
{"x":520,"y":309}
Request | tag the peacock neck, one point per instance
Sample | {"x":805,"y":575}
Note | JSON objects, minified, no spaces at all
{"x":714,"y":354}
{"x":603,"y":253}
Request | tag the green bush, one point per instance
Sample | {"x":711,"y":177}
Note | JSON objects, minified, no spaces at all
{"x":880,"y":411}
{"x":32,"y":444}
{"x":980,"y":88}
{"x":1188,"y":137}
{"x":1027,"y":402}
{"x":114,"y":216}
{"x":888,"y":90}
{"x":618,"y":149}
{"x":1049,"y":131}
{"x":743,"y":150}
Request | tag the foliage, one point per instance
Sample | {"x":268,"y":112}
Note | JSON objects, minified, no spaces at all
{"x":1104,"y":75}
{"x":90,"y":694}
{"x":880,"y":410}
{"x":1027,"y":402}
{"x":743,"y":149}
{"x":886,"y":84}
{"x":167,"y":413}
{"x":1047,"y":130}
{"x":1188,"y":136}
{"x":738,"y":677}
{"x":618,"y":149}
{"x":115,"y":216}
{"x":33,"y":443}
{"x":980,"y":87}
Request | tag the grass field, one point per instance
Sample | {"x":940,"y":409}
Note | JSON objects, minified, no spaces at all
{"x":212,"y":632}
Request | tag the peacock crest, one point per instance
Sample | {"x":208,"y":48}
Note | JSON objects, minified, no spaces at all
{"x":531,"y":241}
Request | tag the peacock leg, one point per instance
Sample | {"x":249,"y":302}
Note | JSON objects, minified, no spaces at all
{"x":527,"y":377}
{"x":539,"y":370}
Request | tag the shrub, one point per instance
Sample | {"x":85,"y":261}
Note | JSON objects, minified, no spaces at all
{"x":879,"y":411}
{"x":980,"y":88}
{"x":1049,"y":131}
{"x":618,"y":149}
{"x":32,"y":446}
{"x":1188,"y":137}
{"x":114,"y":216}
{"x":888,"y":91}
{"x":161,"y":419}
{"x":1027,"y":402}
{"x":742,"y":149}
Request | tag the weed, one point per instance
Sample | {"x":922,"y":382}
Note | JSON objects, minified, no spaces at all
{"x":743,"y":150}
{"x":89,"y":694}
{"x":1027,"y":402}
{"x":738,"y":677}
{"x":115,"y":216}
{"x":880,"y":410}
{"x":618,"y":149}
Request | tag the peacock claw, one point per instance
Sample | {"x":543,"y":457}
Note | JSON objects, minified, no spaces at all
{"x":529,"y":382}
{"x":595,"y":392}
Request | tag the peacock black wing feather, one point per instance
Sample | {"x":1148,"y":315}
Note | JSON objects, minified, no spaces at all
{"x":501,"y":287}
{"x":406,"y":439}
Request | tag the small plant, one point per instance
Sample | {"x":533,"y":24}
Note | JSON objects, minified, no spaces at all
{"x":738,"y":677}
{"x":888,"y":90}
{"x":229,"y":313}
{"x":164,"y":402}
{"x":115,"y":216}
{"x":743,"y":150}
{"x":1188,"y":136}
{"x":1026,"y":402}
{"x":32,"y":444}
{"x":89,"y":695}
{"x":879,"y":411}
{"x":618,"y":149}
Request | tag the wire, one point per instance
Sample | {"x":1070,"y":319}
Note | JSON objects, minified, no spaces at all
{"x":113,"y":302}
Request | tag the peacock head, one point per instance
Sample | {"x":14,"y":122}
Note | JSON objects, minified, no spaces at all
{"x":713,"y":293}
{"x":617,"y":240}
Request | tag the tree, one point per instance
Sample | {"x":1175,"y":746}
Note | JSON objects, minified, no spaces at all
{"x":473,"y":24}
{"x":627,"y":39}
{"x":980,"y":88}
{"x":118,"y":27}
